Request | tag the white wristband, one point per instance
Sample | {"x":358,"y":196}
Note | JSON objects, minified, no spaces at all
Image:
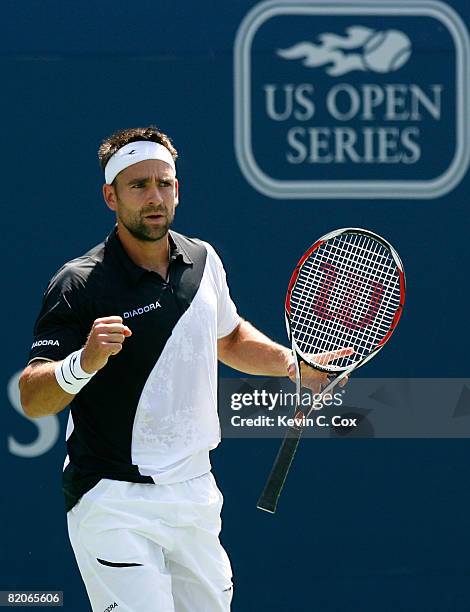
{"x":69,"y":373}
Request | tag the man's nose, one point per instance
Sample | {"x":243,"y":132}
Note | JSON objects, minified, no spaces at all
{"x":154,"y":195}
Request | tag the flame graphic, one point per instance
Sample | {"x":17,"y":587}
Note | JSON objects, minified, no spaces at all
{"x":374,"y":50}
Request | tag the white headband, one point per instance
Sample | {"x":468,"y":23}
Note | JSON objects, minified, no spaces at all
{"x":133,"y":153}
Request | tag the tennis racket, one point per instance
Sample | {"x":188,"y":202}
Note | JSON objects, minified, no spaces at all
{"x":343,"y":302}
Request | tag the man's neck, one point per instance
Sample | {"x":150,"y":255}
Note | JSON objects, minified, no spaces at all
{"x":151,"y":255}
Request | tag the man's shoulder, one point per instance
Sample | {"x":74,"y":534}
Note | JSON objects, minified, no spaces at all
{"x":194,"y":243}
{"x":76,"y":273}
{"x":209,"y":254}
{"x":182,"y":239}
{"x":195,"y":249}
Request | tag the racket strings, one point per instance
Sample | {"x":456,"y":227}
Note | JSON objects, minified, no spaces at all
{"x":336,"y":296}
{"x":352,"y":293}
{"x":355,"y":281}
{"x":346,"y":295}
{"x":341,"y":336}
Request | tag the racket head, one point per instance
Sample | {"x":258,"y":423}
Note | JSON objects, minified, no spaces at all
{"x":347,"y":291}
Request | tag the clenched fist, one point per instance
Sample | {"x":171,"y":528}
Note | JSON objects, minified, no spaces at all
{"x":104,"y":340}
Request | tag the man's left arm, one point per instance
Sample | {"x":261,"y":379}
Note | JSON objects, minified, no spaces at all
{"x":248,"y":350}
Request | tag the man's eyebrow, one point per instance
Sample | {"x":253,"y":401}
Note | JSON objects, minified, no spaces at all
{"x":146,"y":179}
{"x":139,"y":179}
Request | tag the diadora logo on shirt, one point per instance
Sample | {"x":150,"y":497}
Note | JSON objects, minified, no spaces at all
{"x":141,"y":310}
{"x":45,"y":343}
{"x":337,"y":99}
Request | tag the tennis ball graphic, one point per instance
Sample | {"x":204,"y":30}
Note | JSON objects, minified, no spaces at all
{"x":386,"y":51}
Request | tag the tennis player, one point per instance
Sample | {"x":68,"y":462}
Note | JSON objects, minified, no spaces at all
{"x":129,"y":335}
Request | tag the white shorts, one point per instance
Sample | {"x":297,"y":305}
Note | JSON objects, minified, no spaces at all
{"x":152,"y":548}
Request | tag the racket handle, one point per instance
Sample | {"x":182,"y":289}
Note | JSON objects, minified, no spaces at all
{"x":277,"y":477}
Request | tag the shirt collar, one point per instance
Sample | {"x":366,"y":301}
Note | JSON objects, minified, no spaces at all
{"x":135,"y":272}
{"x":177,"y":249}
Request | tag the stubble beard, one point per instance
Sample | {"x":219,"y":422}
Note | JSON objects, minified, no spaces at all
{"x":144,"y":232}
{"x":140,"y":231}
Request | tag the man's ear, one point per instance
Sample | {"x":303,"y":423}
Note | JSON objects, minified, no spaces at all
{"x":177,"y":192}
{"x":109,"y":195}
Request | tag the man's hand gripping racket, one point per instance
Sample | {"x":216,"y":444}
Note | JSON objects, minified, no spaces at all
{"x":343,"y":302}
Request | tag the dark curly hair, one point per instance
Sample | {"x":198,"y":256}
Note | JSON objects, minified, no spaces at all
{"x":113,"y":143}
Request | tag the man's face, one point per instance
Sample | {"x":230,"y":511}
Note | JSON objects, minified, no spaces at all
{"x":144,"y":198}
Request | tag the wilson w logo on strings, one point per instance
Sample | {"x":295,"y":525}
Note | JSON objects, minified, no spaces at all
{"x":351,"y":301}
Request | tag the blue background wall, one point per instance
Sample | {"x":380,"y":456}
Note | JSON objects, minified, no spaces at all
{"x":365,"y":525}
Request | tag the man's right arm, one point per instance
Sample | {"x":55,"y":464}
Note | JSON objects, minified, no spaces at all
{"x":41,"y":394}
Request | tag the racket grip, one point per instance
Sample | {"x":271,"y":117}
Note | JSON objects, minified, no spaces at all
{"x":277,"y":477}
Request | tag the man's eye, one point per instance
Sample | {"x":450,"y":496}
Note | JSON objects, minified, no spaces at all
{"x":138,"y":186}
